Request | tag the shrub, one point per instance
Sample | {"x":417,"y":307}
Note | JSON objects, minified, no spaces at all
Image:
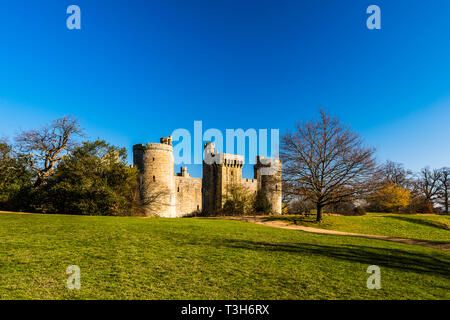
{"x":359,"y":211}
{"x":421,"y":205}
{"x":238,"y":200}
{"x":92,"y":180}
{"x":346,"y":209}
{"x":15,"y":180}
{"x":390,"y":198}
{"x":262,"y":204}
{"x":302,"y":206}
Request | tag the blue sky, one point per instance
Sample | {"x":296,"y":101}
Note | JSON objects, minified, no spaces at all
{"x":138,"y":70}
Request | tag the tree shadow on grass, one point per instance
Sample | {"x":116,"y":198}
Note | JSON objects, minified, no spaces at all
{"x":423,"y":222}
{"x":387,"y":257}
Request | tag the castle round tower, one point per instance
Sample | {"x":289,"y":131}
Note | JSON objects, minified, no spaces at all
{"x":268,"y":175}
{"x":155,"y":163}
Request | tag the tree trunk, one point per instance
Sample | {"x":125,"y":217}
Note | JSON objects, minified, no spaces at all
{"x":446,"y":203}
{"x":38,"y":182}
{"x":319,"y":212}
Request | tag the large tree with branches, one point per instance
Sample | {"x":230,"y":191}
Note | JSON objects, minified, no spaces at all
{"x":43,"y":149}
{"x":327,"y":163}
{"x":394,"y":173}
{"x":428,"y":183}
{"x":445,"y":188}
{"x":15,"y":178}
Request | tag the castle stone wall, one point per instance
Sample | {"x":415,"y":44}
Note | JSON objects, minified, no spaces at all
{"x":270,"y":184}
{"x":183,"y":195}
{"x":250,"y":184}
{"x":189,"y":195}
{"x":155,"y":163}
{"x":210,"y":190}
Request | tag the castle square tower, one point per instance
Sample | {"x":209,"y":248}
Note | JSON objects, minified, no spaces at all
{"x":223,"y":170}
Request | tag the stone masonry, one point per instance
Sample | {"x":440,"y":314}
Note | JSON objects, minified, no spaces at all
{"x":167,"y":194}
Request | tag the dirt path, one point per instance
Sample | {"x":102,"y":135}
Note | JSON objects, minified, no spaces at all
{"x":15,"y":212}
{"x":284,"y":225}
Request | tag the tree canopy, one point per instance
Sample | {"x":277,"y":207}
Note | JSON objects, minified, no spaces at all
{"x":325,"y":162}
{"x":93,"y":179}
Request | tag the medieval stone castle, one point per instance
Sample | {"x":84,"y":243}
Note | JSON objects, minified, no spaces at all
{"x":169,"y":194}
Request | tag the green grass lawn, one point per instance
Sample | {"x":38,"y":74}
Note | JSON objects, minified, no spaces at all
{"x":432,"y":228}
{"x":136,"y":258}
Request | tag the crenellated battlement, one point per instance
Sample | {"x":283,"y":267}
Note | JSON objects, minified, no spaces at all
{"x":166,"y":140}
{"x":230,"y":160}
{"x":267,"y":162}
{"x":153,"y":146}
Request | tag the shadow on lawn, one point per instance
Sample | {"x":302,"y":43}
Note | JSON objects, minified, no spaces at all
{"x":387,"y":257}
{"x":434,"y":224}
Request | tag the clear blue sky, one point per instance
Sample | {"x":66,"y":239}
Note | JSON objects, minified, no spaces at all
{"x":138,"y":69}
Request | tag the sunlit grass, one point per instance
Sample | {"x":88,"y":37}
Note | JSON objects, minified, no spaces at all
{"x":433,"y":228}
{"x":136,"y":258}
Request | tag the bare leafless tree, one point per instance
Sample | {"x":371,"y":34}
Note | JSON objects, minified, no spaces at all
{"x":43,"y":149}
{"x":445,"y":188}
{"x":152,"y":197}
{"x":428,"y":184}
{"x":326,"y":162}
{"x":395,"y":173}
{"x":238,"y":199}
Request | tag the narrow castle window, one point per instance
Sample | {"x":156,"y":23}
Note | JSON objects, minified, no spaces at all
{"x":154,"y":179}
{"x":178,"y":190}
{"x":153,"y":159}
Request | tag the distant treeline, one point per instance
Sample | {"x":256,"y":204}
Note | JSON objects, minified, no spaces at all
{"x":394,"y":190}
{"x":326,"y":167}
{"x":50,"y":170}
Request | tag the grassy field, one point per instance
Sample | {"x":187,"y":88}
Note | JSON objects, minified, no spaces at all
{"x":433,"y":228}
{"x":136,"y":258}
